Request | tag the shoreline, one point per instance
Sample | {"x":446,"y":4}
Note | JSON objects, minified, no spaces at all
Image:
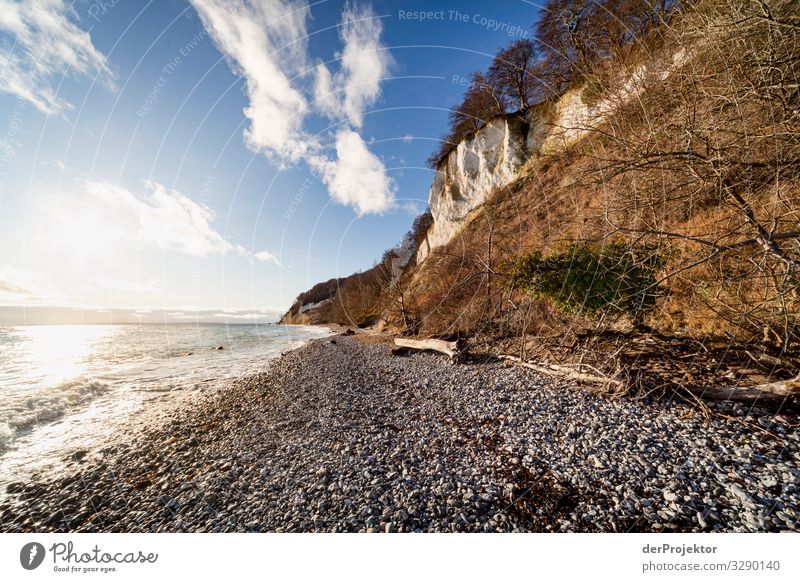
{"x":119,"y":379}
{"x":338,"y":435}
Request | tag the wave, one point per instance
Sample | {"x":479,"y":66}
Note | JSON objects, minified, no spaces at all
{"x":131,"y":364}
{"x":25,"y":409}
{"x":6,"y":436}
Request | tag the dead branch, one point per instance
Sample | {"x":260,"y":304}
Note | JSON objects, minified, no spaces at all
{"x":769,"y":391}
{"x":560,"y":371}
{"x":449,"y":348}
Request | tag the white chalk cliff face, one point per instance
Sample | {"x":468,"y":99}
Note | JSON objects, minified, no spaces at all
{"x":476,"y":167}
{"x":492,"y":157}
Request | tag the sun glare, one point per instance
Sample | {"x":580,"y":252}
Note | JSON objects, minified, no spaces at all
{"x":59,"y":353}
{"x":81,"y":236}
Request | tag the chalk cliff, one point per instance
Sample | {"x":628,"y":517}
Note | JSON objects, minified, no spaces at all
{"x":493,"y":156}
{"x":476,"y":167}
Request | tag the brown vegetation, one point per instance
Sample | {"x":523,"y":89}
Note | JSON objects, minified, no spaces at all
{"x":702,"y":165}
{"x":364,"y":298}
{"x":576,"y":41}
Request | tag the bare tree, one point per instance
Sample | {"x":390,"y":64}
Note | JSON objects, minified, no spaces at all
{"x":709,"y":162}
{"x":482,"y":101}
{"x":567,"y":35}
{"x":511,"y":73}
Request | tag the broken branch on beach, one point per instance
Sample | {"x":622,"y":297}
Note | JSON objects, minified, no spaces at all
{"x":780,"y":389}
{"x":444,"y":347}
{"x":777,"y":390}
{"x":560,"y":371}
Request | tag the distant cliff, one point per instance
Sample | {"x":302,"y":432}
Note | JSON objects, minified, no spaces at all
{"x":305,"y":308}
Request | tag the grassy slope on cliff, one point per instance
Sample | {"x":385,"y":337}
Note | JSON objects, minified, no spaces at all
{"x":701,"y":166}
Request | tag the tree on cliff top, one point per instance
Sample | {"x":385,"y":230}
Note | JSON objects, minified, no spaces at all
{"x":510,"y":74}
{"x":572,"y":37}
{"x":482,"y":101}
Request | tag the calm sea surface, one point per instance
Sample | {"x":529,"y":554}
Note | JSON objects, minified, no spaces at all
{"x":67,"y":387}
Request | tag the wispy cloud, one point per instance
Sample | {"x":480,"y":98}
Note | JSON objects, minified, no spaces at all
{"x":167,"y":219}
{"x":357,"y":177}
{"x":39,"y":40}
{"x":266,"y":42}
{"x":18,"y":286}
{"x":364,"y":62}
{"x":266,"y":257}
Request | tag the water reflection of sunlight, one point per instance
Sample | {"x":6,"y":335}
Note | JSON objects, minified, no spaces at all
{"x":58,"y":353}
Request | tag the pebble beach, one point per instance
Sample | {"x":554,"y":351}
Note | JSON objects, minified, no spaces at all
{"x":342,"y":436}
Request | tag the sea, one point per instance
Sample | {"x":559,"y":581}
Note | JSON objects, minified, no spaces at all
{"x":66,"y":388}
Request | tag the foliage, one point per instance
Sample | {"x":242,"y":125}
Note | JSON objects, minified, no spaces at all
{"x":704,"y":161}
{"x":419,"y":230}
{"x":482,"y":101}
{"x":510,"y":74}
{"x":614,"y":279}
{"x":572,"y":38}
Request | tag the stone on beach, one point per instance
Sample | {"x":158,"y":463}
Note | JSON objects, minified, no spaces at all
{"x":343,"y":437}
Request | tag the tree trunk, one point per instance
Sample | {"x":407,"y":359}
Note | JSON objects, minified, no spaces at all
{"x":770,"y":391}
{"x":449,"y":348}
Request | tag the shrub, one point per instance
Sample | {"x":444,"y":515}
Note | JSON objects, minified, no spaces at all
{"x":612,"y":280}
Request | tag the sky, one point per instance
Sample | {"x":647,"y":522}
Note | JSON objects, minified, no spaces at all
{"x":214,"y":158}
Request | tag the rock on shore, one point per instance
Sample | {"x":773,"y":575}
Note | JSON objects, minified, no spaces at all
{"x":343,"y":437}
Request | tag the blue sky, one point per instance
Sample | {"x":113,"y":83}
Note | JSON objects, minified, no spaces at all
{"x":221,"y":155}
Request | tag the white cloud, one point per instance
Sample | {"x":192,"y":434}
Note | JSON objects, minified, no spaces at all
{"x":14,"y":283}
{"x":21,"y":287}
{"x":41,"y":42}
{"x":261,"y":256}
{"x":265,"y":41}
{"x":357,"y":177}
{"x":165,"y":218}
{"x":325,"y":98}
{"x":364,"y":63}
{"x":267,"y":257}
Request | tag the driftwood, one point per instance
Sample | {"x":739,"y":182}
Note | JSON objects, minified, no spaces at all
{"x":449,"y":348}
{"x":769,"y":391}
{"x":560,"y":371}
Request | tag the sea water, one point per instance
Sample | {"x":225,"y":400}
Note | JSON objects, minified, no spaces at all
{"x":65,"y":388}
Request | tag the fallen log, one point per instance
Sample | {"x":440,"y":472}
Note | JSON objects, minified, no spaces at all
{"x":449,"y":348}
{"x":768,"y":391}
{"x":560,"y":371}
